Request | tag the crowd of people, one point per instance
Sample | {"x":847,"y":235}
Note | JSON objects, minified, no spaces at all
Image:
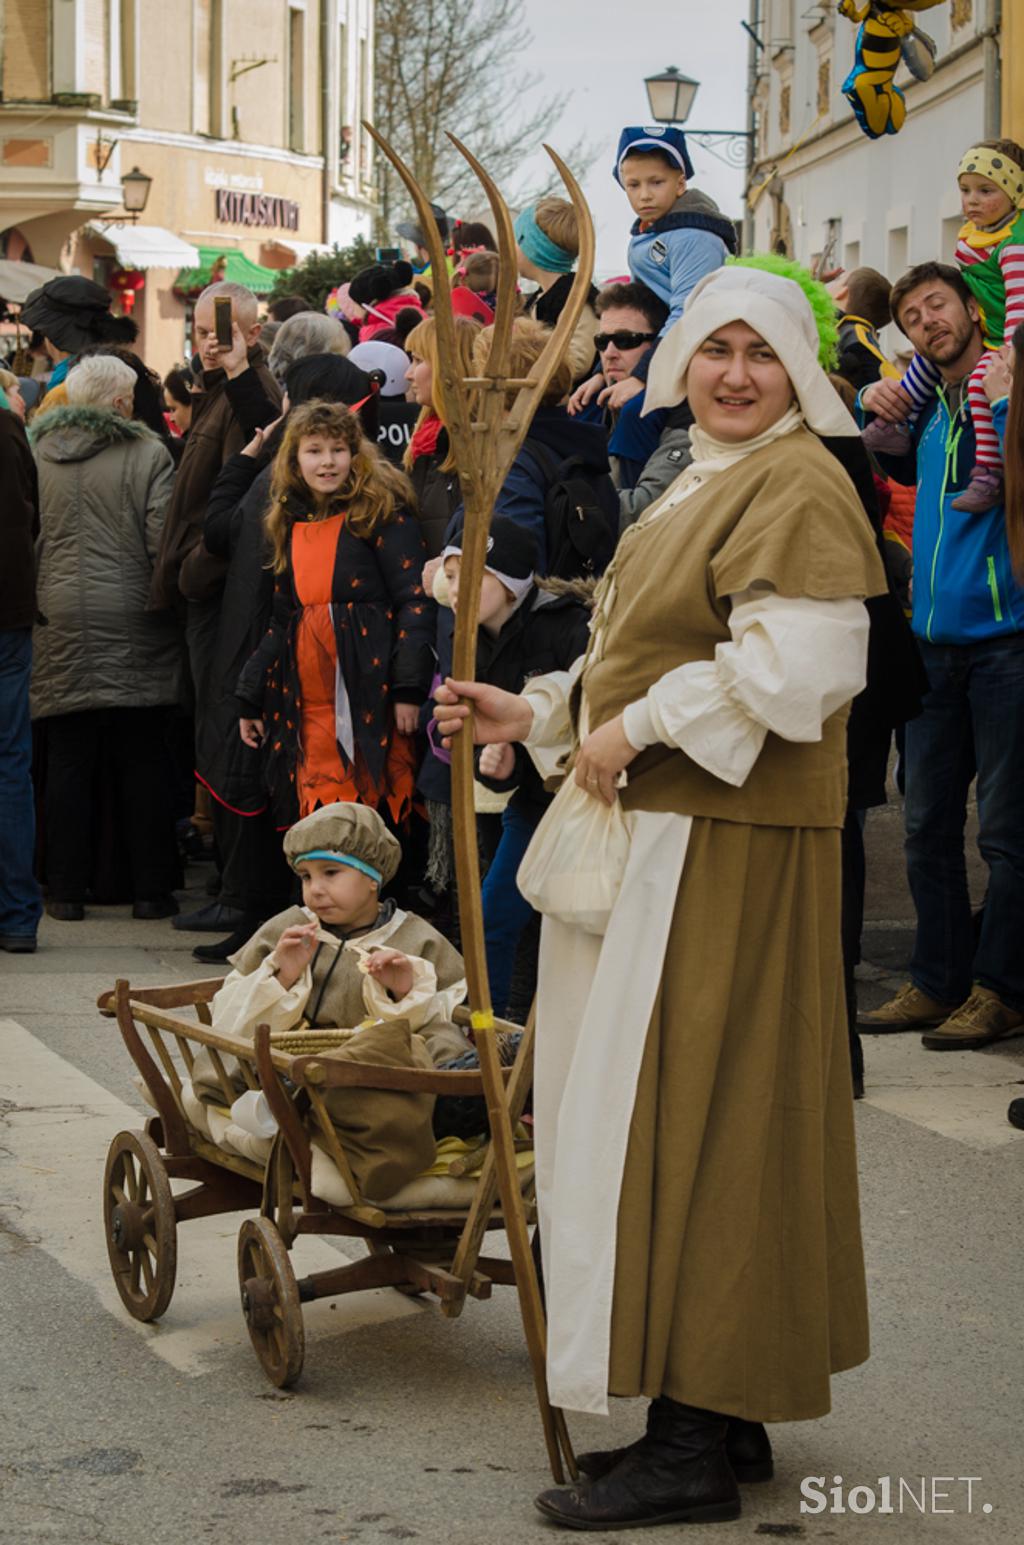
{"x":226,"y":614}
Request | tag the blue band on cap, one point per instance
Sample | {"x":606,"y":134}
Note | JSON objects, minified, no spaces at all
{"x":539,"y":248}
{"x":340,"y":858}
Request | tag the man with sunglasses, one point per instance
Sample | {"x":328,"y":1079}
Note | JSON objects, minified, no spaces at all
{"x":630,"y":317}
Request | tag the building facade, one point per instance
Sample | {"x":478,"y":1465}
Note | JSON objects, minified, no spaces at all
{"x":819,"y":188}
{"x":244,"y":114}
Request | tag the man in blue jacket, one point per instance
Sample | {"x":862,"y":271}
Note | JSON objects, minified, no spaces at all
{"x":968,"y":615}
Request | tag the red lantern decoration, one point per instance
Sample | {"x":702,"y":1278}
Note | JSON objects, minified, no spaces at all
{"x":127,"y":282}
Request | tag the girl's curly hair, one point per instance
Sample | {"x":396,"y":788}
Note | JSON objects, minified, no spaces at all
{"x":371,"y":495}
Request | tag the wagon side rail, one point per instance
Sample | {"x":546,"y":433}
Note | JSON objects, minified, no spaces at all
{"x":318,"y":1073}
{"x":153,"y":1035}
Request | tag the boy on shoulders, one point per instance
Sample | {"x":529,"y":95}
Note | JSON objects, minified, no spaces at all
{"x":678,"y":236}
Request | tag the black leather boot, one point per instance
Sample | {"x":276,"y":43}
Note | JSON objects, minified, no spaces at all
{"x":678,"y":1473}
{"x":747,"y":1448}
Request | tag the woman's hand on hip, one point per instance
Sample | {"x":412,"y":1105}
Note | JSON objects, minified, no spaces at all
{"x":498,"y":716}
{"x":603,"y":755}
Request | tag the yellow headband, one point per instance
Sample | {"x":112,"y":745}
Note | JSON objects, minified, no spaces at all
{"x":998,"y":168}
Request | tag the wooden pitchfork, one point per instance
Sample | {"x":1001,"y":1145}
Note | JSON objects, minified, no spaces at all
{"x":485,"y":436}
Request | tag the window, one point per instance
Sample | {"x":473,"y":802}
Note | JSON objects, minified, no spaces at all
{"x":202,"y":38}
{"x":785,"y":97}
{"x":115,"y":61}
{"x":824,"y":99}
{"x":950,"y":233}
{"x":344,"y":104}
{"x":898,"y":248}
{"x":296,"y":78}
{"x":365,"y":108}
{"x":851,"y":256}
{"x":124,"y":40}
{"x":833,"y":244}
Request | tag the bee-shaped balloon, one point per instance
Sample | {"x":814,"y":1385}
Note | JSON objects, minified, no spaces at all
{"x":887,"y":35}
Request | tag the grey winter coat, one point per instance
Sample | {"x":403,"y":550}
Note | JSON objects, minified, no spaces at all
{"x":661,"y":469}
{"x":104,"y":483}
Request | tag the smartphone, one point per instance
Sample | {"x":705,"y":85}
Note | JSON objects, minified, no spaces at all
{"x":388,"y":254}
{"x":222,"y":320}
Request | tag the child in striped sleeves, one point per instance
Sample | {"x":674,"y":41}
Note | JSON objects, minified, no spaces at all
{"x":990,"y":254}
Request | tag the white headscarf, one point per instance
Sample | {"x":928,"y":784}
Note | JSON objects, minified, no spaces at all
{"x":775,"y":308}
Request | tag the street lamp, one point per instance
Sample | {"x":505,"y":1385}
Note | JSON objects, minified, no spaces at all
{"x":136,"y":186}
{"x":670,"y":97}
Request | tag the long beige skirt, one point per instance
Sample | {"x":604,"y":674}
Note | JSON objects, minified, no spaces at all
{"x":739,"y":1274}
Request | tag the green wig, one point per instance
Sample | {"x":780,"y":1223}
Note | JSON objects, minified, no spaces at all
{"x":821,"y":303}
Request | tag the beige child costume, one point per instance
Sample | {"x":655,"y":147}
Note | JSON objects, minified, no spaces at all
{"x":694,"y":1124}
{"x":388,"y":1136}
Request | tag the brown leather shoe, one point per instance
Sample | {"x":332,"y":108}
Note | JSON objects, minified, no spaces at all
{"x":984,"y":1018}
{"x":911,"y":1009}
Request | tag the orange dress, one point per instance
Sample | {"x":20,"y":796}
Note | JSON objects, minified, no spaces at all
{"x":329,"y":766}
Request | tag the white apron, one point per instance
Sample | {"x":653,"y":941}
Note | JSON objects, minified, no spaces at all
{"x":595,"y":998}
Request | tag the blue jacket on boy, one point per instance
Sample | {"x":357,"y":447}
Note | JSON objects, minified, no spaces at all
{"x":673,"y":253}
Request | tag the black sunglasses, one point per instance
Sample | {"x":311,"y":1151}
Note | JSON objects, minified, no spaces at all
{"x":622,"y":340}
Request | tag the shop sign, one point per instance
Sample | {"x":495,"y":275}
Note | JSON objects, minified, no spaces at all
{"x":259,"y":209}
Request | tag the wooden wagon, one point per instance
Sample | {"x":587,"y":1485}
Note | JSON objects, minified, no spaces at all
{"x":426,"y":1240}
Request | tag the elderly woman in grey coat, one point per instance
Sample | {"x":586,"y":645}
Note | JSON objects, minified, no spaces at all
{"x":104,"y":668}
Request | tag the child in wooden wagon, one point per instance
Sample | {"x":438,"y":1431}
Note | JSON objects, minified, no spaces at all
{"x":347,"y":959}
{"x":345,"y":956}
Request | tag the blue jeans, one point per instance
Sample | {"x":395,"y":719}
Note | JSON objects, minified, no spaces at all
{"x":973,"y":722}
{"x":20,"y":903}
{"x":506,"y":914}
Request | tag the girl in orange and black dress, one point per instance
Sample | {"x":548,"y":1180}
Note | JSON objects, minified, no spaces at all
{"x":334,"y":687}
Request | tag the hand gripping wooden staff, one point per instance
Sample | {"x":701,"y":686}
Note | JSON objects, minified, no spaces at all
{"x":488,"y":418}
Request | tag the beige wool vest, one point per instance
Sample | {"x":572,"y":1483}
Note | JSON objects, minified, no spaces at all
{"x":786,"y":516}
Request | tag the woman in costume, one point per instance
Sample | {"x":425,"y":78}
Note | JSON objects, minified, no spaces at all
{"x":694,"y":1124}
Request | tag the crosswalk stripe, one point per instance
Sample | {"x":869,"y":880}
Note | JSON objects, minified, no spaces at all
{"x":56,"y":1125}
{"x":961,"y":1095}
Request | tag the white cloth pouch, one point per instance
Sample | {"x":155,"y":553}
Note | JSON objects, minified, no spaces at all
{"x":574,"y":865}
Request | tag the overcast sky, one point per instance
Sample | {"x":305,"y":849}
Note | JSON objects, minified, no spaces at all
{"x":599,"y":52}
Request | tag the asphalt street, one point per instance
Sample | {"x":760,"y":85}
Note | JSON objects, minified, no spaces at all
{"x":408,"y":1426}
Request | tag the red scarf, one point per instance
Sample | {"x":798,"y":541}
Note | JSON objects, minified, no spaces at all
{"x":425,"y":437}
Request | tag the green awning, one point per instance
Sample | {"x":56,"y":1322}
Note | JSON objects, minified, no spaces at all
{"x":237,"y":268}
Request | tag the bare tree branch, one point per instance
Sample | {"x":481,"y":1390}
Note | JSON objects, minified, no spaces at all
{"x":455,"y":64}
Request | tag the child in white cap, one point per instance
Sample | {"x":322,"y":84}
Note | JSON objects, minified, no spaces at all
{"x":345,"y":956}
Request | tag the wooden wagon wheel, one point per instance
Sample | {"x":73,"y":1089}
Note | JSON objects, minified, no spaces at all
{"x":140,"y":1225}
{"x":270,"y":1301}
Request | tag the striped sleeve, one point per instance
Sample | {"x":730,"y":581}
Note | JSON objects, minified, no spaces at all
{"x":1011,"y":262}
{"x":966,"y":256}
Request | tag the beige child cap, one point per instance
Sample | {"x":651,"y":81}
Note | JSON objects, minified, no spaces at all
{"x":349,"y":834}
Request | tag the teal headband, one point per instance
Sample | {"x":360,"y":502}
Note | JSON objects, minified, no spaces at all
{"x":539,"y":248}
{"x":340,"y":858}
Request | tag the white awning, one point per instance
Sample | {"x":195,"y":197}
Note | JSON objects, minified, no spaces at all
{"x":18,"y":280}
{"x":147,"y":246}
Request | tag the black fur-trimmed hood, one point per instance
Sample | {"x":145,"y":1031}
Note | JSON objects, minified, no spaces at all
{"x":74,"y":432}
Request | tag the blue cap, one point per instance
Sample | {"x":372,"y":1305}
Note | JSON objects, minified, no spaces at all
{"x":663,"y":137}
